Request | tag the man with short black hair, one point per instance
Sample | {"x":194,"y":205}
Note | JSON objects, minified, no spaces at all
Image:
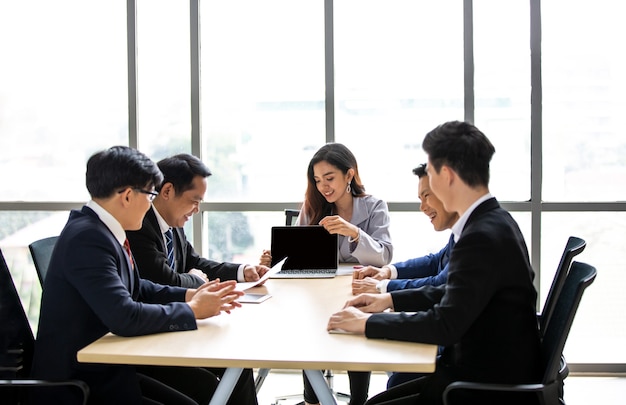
{"x":484,"y":315}
{"x":92,"y":288}
{"x":164,"y":255}
{"x":161,"y":249}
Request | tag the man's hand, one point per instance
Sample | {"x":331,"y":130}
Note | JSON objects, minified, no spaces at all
{"x":199,"y":273}
{"x":367,"y":285}
{"x":371,"y":303}
{"x":378,"y":273}
{"x":253,"y":273}
{"x":266,"y":258}
{"x":349,"y":319}
{"x":211,"y":298}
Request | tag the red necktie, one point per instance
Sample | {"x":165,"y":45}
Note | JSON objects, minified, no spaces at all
{"x":128,"y":252}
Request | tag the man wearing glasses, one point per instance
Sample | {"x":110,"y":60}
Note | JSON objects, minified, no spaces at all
{"x":92,"y":288}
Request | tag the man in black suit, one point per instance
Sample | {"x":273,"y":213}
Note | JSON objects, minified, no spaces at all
{"x":92,"y":288}
{"x":164,"y":255}
{"x":484,"y":315}
{"x":179,"y":196}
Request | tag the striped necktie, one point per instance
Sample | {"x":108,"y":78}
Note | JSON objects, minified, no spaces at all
{"x":169,"y":239}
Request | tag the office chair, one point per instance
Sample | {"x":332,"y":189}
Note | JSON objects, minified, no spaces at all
{"x":547,"y":391}
{"x":290,"y":216}
{"x":41,"y":251}
{"x":17,"y":345}
{"x":573,"y":247}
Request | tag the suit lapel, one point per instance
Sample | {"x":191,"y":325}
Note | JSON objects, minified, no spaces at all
{"x":128,"y":275}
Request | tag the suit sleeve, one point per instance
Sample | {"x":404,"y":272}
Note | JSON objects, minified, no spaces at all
{"x":403,"y":284}
{"x":213,"y":269}
{"x":374,"y":246}
{"x":95,"y":275}
{"x":418,"y":272}
{"x":148,"y":251}
{"x":441,"y":315}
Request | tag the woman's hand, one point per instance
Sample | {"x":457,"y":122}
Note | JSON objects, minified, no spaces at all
{"x":338,"y":225}
{"x":266,"y":258}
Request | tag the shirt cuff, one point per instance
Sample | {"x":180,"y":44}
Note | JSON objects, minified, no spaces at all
{"x":393,"y":271}
{"x":382,"y":286}
{"x":240,"y":277}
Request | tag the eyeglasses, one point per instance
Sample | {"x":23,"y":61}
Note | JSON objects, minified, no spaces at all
{"x":151,"y":194}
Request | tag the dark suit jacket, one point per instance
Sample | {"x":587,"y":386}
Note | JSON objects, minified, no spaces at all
{"x":90,"y":289}
{"x":151,"y":257}
{"x":484,"y":315}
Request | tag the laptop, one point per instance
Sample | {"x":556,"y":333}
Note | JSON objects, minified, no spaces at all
{"x":311,"y":251}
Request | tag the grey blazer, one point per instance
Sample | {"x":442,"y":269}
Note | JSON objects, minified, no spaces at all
{"x":374,"y":247}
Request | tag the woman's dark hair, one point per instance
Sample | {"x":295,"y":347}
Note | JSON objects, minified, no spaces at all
{"x":315,"y":205}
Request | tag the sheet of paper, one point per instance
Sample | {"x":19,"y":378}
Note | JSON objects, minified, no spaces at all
{"x":249,"y":284}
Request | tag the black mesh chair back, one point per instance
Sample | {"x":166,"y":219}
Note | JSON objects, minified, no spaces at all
{"x":290,"y":216}
{"x":549,"y":390}
{"x":17,"y":346}
{"x":573,"y":247}
{"x":580,"y":276}
{"x":41,"y":251}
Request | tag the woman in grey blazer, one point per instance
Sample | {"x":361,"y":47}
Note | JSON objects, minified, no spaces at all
{"x":336,"y":199}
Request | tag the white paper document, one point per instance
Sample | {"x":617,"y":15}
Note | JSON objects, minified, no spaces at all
{"x":249,"y":284}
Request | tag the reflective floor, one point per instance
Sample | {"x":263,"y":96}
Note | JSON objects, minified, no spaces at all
{"x":579,"y":390}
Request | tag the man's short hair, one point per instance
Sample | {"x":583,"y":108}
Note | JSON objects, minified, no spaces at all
{"x":180,"y":170}
{"x":118,"y":167}
{"x":464,"y":148}
{"x":420,"y":171}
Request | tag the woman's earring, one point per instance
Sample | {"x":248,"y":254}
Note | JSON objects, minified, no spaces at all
{"x":348,"y":189}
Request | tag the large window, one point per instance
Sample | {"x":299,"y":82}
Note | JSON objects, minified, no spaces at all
{"x":394,"y":83}
{"x":63,"y":94}
{"x":262,"y":96}
{"x":255,"y":87}
{"x":583,"y":97}
{"x":502,"y":92}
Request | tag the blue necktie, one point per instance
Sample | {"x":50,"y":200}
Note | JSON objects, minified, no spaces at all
{"x":446,"y":257}
{"x":169,"y":239}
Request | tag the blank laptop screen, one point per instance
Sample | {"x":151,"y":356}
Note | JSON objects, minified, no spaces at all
{"x":307,"y":247}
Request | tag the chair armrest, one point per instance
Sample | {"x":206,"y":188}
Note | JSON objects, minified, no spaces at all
{"x":81,"y":385}
{"x":476,"y":386}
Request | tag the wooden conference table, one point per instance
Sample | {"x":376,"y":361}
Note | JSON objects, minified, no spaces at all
{"x":287,"y":331}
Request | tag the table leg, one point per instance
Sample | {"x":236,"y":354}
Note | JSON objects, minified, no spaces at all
{"x":322,"y":390}
{"x":226,"y":385}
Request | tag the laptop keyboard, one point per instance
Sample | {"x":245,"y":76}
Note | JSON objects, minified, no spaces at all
{"x":306,"y":273}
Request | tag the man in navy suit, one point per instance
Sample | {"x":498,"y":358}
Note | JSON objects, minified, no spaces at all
{"x":92,"y":288}
{"x":484,"y":315}
{"x":431,"y":269}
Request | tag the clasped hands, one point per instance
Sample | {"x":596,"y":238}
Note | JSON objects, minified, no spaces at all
{"x":365,"y":279}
